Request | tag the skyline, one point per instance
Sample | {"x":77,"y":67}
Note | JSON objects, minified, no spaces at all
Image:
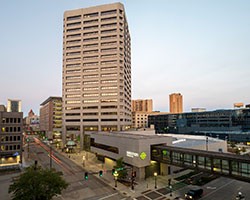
{"x":210,"y":38}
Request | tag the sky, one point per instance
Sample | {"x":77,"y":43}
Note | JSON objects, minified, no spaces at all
{"x":200,"y":49}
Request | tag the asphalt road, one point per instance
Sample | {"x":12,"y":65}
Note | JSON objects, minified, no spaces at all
{"x":79,"y":188}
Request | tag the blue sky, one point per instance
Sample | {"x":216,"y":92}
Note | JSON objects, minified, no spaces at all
{"x":198,"y":48}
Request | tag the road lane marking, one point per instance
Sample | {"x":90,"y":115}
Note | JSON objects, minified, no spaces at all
{"x":218,"y":189}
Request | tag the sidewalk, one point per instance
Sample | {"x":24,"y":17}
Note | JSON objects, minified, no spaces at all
{"x":90,"y":163}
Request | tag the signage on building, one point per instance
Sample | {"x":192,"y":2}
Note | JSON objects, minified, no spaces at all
{"x":143,"y":155}
{"x":132,"y":154}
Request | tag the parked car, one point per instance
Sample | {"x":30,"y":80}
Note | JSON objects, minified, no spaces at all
{"x":194,"y":194}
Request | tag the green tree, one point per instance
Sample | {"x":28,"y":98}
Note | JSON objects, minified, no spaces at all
{"x":120,"y":168}
{"x":37,"y":184}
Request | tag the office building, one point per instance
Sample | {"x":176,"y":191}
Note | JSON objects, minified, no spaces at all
{"x":51,"y":118}
{"x":141,"y":108}
{"x":11,"y":125}
{"x":96,"y":71}
{"x":14,"y":105}
{"x":175,"y":103}
{"x":233,"y":124}
{"x":143,"y":105}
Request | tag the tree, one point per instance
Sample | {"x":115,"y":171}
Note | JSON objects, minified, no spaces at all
{"x":120,"y":168}
{"x":37,"y":184}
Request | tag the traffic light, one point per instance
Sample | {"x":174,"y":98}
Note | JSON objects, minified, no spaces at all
{"x":100,"y":173}
{"x":86,"y":175}
{"x":113,"y":171}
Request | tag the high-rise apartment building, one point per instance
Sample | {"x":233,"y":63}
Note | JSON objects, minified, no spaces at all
{"x":96,"y":70}
{"x":144,"y":105}
{"x":175,"y":103}
{"x":51,"y":118}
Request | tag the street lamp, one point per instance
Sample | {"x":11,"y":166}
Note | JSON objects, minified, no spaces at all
{"x":155,"y":175}
{"x":170,"y":187}
{"x":116,"y":176}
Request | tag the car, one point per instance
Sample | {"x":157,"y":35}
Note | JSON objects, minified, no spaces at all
{"x":194,"y":194}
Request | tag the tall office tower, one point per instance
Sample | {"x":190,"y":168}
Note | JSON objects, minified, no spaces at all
{"x":13,"y":105}
{"x":175,"y":103}
{"x":96,"y":70}
{"x":145,"y":105}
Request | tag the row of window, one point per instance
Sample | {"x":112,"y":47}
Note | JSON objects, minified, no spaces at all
{"x":10,"y":147}
{"x":11,"y":120}
{"x":14,"y":138}
{"x":94,"y":14}
{"x":92,"y":101}
{"x":11,"y":129}
{"x":91,"y":76}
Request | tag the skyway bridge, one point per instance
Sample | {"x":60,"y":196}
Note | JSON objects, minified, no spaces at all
{"x":225,"y":164}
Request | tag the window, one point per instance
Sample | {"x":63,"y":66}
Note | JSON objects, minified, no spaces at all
{"x":73,"y":65}
{"x":90,"y":45}
{"x":73,"y":77}
{"x":109,"y":75}
{"x":109,"y":81}
{"x":73,"y":89}
{"x":91,"y":95}
{"x":90,"y":21}
{"x":110,"y":12}
{"x":73,"y":30}
{"x":90,"y":88}
{"x":91,"y":113}
{"x":73,"y":41}
{"x":72,"y":95}
{"x":108,"y":68}
{"x":90,"y":107}
{"x":108,"y":87}
{"x":90,"y":82}
{"x":73,"y":83}
{"x":90,"y":15}
{"x":73,"y":17}
{"x":91,"y":76}
{"x":90,"y":27}
{"x":73,"y":102}
{"x":72,"y":108}
{"x":109,"y":94}
{"x":73,"y":24}
{"x":108,"y":100}
{"x":90,"y":101}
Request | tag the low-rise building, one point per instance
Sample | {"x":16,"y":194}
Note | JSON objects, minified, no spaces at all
{"x":135,"y":149}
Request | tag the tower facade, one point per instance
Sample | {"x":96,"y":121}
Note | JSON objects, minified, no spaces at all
{"x":96,"y":70}
{"x":175,"y":103}
{"x":145,"y":105}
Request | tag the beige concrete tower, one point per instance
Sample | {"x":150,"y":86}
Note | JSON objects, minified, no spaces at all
{"x":175,"y":103}
{"x":96,"y":70}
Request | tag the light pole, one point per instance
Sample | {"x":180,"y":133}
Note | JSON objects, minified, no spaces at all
{"x":155,"y":175}
{"x":116,"y":176}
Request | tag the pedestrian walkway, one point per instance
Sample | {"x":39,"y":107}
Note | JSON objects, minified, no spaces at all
{"x":151,"y":188}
